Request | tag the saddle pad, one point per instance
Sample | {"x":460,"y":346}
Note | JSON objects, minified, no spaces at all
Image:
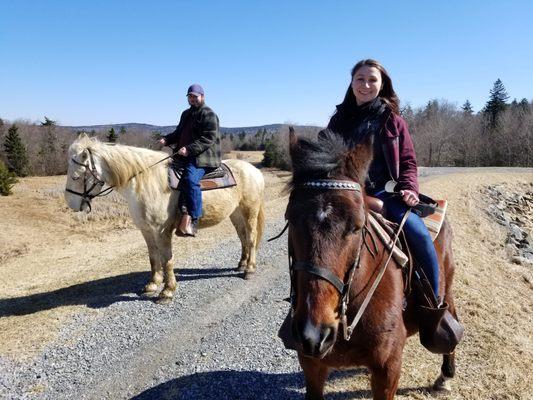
{"x":227,"y":180}
{"x":434,"y":221}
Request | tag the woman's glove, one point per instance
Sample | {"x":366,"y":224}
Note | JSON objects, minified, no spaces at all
{"x":409,"y":197}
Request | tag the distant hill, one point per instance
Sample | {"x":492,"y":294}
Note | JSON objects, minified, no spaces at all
{"x":138,"y":127}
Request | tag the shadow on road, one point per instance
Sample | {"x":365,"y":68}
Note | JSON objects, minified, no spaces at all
{"x":248,"y":385}
{"x":192,"y":274}
{"x":102,"y":293}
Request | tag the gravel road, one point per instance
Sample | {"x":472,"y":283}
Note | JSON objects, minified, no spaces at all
{"x":217,"y":340}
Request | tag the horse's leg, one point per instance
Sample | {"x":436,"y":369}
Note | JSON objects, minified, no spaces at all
{"x":447,"y":369}
{"x":443,"y":244}
{"x":165,"y":249}
{"x":384,"y":378}
{"x":315,"y":374}
{"x":155,"y":263}
{"x":251,"y":223}
{"x":237,"y":219}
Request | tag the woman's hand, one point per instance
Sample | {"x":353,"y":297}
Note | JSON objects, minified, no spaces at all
{"x":409,"y":197}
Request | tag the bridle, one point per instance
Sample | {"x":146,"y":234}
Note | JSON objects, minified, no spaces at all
{"x":89,"y":173}
{"x":326,"y":274}
{"x":90,"y":169}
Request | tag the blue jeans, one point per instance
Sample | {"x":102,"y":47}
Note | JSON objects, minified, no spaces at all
{"x":418,"y":238}
{"x":190,"y":188}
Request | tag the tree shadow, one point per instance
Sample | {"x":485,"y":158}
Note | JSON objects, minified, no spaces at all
{"x":248,"y":385}
{"x":192,"y":274}
{"x":103,"y":292}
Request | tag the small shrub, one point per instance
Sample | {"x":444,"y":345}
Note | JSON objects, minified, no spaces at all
{"x":7,"y":180}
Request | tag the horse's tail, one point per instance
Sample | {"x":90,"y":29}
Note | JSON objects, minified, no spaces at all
{"x":260,"y":223}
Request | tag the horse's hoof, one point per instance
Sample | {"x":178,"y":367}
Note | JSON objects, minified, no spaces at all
{"x":241,"y":267}
{"x":163,"y":300}
{"x":249,"y":274}
{"x":441,"y":385}
{"x":148,"y":295}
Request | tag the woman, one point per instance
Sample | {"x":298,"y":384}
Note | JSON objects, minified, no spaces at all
{"x":371,"y":107}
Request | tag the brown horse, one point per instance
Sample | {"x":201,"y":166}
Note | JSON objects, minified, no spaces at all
{"x":332,"y":251}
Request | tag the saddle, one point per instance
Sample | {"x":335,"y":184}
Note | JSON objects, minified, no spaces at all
{"x":431,"y":211}
{"x":219,"y":178}
{"x":439,"y":331}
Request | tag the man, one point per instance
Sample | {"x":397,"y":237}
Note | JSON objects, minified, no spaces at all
{"x":197,"y":139}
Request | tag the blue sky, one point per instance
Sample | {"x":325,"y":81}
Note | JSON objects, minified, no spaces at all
{"x":102,"y":62}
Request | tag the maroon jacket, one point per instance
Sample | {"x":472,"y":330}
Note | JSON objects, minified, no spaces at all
{"x":399,"y":152}
{"x":396,"y":143}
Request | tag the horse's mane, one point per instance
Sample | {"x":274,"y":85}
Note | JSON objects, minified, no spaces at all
{"x":329,"y":157}
{"x":122,"y":163}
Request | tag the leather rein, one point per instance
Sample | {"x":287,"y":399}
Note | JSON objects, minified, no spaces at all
{"x":326,"y":273}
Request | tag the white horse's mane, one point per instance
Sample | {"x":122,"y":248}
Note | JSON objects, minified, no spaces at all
{"x":128,"y":164}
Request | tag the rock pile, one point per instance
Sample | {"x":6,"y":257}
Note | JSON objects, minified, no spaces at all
{"x":513,"y":209}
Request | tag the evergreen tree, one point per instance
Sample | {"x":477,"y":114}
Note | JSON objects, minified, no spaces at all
{"x":524,"y":105}
{"x":7,"y":180}
{"x":49,"y":150}
{"x":497,"y":103}
{"x":111,"y":136}
{"x":16,"y":154}
{"x":467,"y":108}
{"x":48,"y":122}
{"x":122,"y":130}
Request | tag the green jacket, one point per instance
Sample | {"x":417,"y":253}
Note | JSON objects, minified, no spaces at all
{"x":205,"y":146}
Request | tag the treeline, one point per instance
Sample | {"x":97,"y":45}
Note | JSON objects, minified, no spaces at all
{"x":501,"y":134}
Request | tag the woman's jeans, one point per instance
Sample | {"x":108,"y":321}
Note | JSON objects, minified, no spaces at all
{"x":190,"y":188}
{"x":418,"y":237}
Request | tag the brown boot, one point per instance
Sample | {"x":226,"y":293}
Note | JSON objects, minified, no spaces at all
{"x":439,"y":331}
{"x":187,"y":226}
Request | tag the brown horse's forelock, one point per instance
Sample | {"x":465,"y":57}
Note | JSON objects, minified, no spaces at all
{"x":317,"y":159}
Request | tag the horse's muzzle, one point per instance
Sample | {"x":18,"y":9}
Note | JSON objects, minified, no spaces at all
{"x":314,"y":341}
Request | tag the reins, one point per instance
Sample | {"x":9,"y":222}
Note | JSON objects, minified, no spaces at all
{"x":348,"y":330}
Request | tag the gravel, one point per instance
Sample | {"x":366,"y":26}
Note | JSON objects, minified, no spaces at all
{"x":217,"y":340}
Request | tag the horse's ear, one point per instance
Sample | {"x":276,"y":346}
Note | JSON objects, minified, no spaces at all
{"x":359,"y":158}
{"x":293,"y":139}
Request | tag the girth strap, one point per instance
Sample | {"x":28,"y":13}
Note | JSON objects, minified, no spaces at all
{"x":321,"y":272}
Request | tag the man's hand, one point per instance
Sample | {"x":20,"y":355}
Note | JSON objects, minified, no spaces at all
{"x":183,"y":152}
{"x":163,"y":141}
{"x":409,"y":197}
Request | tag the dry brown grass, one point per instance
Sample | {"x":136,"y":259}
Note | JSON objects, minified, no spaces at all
{"x":46,"y":247}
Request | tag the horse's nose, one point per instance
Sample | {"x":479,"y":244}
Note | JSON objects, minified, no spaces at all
{"x":318,"y":340}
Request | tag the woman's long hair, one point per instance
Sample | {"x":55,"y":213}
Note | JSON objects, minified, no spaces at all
{"x":387,"y":93}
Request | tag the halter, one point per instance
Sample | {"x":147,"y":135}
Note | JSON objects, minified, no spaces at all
{"x":326,"y":274}
{"x":90,"y":171}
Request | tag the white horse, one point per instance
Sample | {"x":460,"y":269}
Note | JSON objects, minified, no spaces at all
{"x":154,"y":207}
